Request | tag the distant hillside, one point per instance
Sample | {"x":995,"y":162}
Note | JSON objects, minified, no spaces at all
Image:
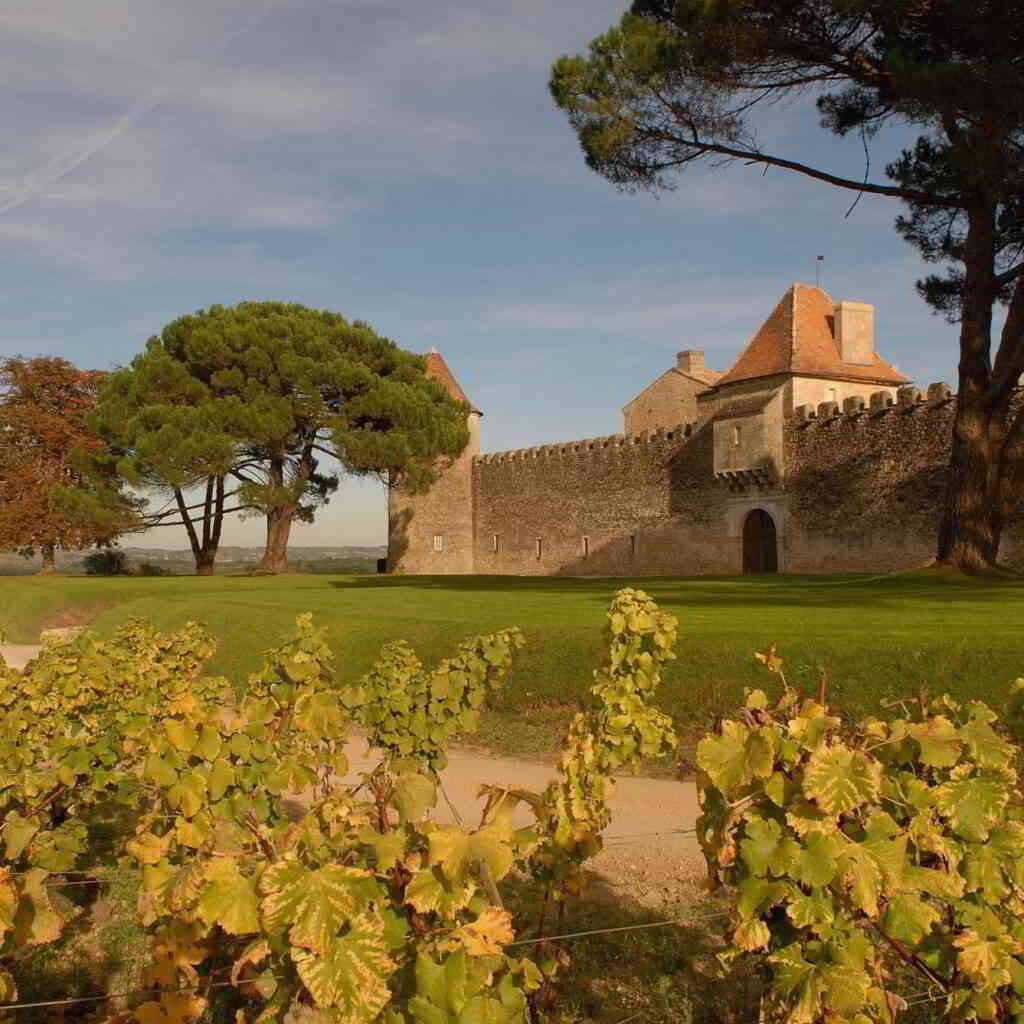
{"x":344,"y":558}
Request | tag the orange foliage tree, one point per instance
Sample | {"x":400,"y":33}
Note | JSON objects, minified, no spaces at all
{"x":44,"y":405}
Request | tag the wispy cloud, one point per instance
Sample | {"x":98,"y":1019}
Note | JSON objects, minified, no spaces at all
{"x":71,"y":158}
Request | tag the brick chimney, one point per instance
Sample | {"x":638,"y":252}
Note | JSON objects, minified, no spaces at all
{"x":691,"y":360}
{"x":855,"y":332}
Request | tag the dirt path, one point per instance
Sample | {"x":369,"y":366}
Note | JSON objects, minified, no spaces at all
{"x":644,"y":850}
{"x":649,"y":845}
{"x":19,"y":655}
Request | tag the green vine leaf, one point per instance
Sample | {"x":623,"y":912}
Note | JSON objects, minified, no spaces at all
{"x":229,"y":898}
{"x":414,"y":795}
{"x":909,"y":918}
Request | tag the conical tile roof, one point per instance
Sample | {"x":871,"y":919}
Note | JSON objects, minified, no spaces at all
{"x":799,"y":338}
{"x":438,"y":369}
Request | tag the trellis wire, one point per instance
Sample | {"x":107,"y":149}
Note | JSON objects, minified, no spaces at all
{"x":275,"y":977}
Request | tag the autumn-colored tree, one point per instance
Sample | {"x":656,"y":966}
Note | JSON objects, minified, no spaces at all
{"x":44,"y":403}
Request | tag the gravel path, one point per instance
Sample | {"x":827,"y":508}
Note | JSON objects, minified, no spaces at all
{"x":644,"y":851}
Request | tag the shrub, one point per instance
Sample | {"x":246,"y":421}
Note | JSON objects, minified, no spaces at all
{"x":152,"y":569}
{"x":107,"y":562}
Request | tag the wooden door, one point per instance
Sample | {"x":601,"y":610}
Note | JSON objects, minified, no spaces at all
{"x":760,"y":544}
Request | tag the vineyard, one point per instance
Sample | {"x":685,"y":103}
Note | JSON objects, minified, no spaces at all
{"x":866,"y":871}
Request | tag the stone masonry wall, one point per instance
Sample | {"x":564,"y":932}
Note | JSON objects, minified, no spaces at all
{"x":671,"y":399}
{"x":866,"y":483}
{"x":445,"y":511}
{"x":618,"y":505}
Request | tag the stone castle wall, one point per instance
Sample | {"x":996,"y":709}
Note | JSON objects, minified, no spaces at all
{"x":866,"y":483}
{"x":861,"y":489}
{"x":619,"y":505}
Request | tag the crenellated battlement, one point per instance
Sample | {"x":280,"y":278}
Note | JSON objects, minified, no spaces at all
{"x":878,"y":403}
{"x":586,"y":446}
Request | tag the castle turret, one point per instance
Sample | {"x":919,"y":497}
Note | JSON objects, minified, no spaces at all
{"x":433,"y":532}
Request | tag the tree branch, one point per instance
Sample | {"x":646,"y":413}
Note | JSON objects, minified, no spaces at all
{"x":1009,"y":275}
{"x":753,"y":156}
{"x":1009,"y":361}
{"x":188,"y":522}
{"x":174,"y":511}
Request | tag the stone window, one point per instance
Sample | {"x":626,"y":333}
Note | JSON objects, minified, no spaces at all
{"x":539,"y":548}
{"x":632,"y":545}
{"x":496,"y":543}
{"x":586,"y":547}
{"x":439,"y":542}
{"x":735,"y":437}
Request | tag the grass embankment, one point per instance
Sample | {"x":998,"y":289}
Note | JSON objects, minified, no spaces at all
{"x":875,"y":637}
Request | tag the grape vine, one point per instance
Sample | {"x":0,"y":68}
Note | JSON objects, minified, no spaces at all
{"x":262,"y":863}
{"x":859,"y":853}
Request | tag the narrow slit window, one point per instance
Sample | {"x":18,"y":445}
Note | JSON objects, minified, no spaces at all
{"x":632,"y":545}
{"x":586,"y":547}
{"x":496,"y":543}
{"x":735,"y":437}
{"x":539,"y":548}
{"x":439,"y":542}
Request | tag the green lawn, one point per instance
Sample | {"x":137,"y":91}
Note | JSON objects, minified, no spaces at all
{"x":876,"y":637}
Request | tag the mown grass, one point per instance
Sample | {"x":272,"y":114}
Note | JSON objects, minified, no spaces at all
{"x":875,"y":637}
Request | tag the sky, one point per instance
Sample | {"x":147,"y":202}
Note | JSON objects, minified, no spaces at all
{"x":402,"y":164}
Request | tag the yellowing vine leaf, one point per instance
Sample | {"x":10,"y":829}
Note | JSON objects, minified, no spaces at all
{"x":972,"y":805}
{"x":839,"y":779}
{"x":314,"y":904}
{"x":488,"y":933}
{"x":724,"y":757}
{"x":18,"y":833}
{"x":352,"y":973}
{"x":939,"y":740}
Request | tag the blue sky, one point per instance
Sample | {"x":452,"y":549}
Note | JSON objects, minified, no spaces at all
{"x":403,"y":164}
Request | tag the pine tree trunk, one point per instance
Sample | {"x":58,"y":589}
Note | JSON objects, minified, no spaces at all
{"x":972,"y":520}
{"x":279,"y":528}
{"x":205,"y":560}
{"x":279,"y":521}
{"x":49,"y":566}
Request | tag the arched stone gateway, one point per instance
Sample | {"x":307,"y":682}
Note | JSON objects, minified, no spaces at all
{"x":760,"y":543}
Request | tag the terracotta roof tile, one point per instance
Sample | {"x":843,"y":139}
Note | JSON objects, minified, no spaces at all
{"x":438,"y":369}
{"x":798,"y":338}
{"x":705,"y":376}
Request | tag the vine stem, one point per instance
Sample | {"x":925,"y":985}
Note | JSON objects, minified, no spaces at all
{"x":909,"y":960}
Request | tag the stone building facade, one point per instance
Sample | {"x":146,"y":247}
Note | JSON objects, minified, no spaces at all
{"x":810,"y":454}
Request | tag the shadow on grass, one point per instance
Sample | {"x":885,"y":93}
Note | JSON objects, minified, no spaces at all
{"x":825,"y":591}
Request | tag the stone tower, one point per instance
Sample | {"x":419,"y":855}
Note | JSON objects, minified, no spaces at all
{"x":433,"y":532}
